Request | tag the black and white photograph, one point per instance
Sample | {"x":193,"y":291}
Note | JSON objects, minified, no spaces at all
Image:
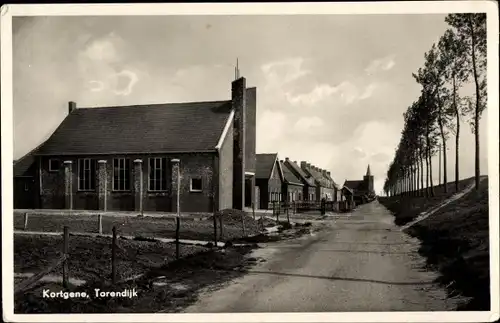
{"x":286,"y":162}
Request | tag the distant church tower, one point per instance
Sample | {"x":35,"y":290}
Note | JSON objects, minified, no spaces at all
{"x":368,"y":180}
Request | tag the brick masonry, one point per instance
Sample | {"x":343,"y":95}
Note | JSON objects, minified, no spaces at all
{"x":56,"y":186}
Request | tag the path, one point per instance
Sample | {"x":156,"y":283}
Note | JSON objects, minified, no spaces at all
{"x":424,"y":215}
{"x":357,"y":263}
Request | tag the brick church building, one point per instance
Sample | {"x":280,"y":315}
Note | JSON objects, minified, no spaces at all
{"x":361,"y":191}
{"x":124,"y":158}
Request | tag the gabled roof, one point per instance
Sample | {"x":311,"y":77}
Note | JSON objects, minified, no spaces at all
{"x":306,"y":179}
{"x":289,"y":175}
{"x":264,"y":165}
{"x":23,"y":164}
{"x":315,"y":174}
{"x":356,"y":185}
{"x":154,"y":128}
{"x":331,"y":179}
{"x":347,"y":188}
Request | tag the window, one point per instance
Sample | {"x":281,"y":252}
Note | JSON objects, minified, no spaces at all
{"x":54,"y":165}
{"x":121,"y":174}
{"x":86,"y":174}
{"x":196,"y":185}
{"x":158,"y":174}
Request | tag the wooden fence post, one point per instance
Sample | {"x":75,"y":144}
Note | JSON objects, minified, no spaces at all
{"x":215,"y":228}
{"x":25,"y":221}
{"x":221,"y":228}
{"x":113,"y":257}
{"x":276,"y":211}
{"x":66,"y":254}
{"x":177,"y":236}
{"x":287,"y":214}
{"x":99,"y":220}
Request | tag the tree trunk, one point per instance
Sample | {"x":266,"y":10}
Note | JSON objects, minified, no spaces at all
{"x":430,"y":174}
{"x":457,"y":135}
{"x":478,"y":100}
{"x":422,"y":193}
{"x":426,"y":176}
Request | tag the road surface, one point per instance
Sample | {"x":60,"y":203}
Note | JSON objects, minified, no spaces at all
{"x":361,"y":262}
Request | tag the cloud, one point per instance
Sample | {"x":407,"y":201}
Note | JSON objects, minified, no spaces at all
{"x":369,"y":90}
{"x":279,"y":73}
{"x":96,"y":86}
{"x":102,"y":49}
{"x":381,"y":64}
{"x":345,"y":93}
{"x":358,"y":153}
{"x":306,"y":124}
{"x":131,"y":78}
{"x":317,"y":94}
{"x":271,"y":125}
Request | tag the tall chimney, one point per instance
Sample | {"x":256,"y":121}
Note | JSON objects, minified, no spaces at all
{"x":250,"y":129}
{"x":287,"y":159}
{"x":238,"y":96}
{"x":328,"y":173}
{"x":303,"y":165}
{"x":71,"y":106}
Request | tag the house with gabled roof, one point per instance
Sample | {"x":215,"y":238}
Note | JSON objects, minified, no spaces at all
{"x":127,"y":158}
{"x":269,"y":179}
{"x":292,"y":185}
{"x":309,"y":188}
{"x":324,"y":187}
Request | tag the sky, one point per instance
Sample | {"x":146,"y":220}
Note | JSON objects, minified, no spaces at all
{"x":331,"y":89}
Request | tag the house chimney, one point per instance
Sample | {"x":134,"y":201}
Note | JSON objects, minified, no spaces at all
{"x":324,"y":172}
{"x":328,"y":173}
{"x":71,"y":106}
{"x":303,"y":165}
{"x":287,"y":159}
{"x":250,"y":129}
{"x":238,"y":97}
{"x":308,"y":165}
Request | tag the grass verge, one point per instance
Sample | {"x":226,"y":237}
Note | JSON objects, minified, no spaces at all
{"x":407,"y":208}
{"x":455,"y":242}
{"x":147,"y":226}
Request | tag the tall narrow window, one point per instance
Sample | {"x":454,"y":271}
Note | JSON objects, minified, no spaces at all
{"x":121,"y":174}
{"x":86,"y":174}
{"x":54,"y":165}
{"x":157,"y":174}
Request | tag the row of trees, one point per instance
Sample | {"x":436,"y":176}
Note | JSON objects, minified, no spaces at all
{"x":458,"y":58}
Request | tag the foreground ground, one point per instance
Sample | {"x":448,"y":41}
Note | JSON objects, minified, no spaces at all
{"x":361,"y":262}
{"x":163,"y":283}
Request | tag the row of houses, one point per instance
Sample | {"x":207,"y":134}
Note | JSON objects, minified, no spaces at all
{"x":285,"y":180}
{"x":141,"y":157}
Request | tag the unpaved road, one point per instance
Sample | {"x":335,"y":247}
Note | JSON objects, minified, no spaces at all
{"x":358,"y":263}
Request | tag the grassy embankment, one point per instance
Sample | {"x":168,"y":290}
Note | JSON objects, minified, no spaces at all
{"x":455,"y":239}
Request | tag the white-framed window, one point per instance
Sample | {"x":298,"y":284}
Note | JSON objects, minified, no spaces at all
{"x":195,"y":184}
{"x":54,"y":165}
{"x":86,"y":174}
{"x":158,"y":174}
{"x":121,"y":174}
